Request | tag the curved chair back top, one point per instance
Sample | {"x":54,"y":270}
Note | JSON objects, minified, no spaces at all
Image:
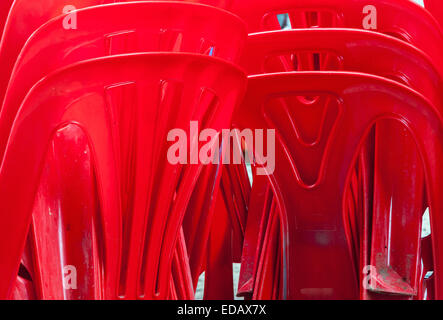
{"x":24,"y":18}
{"x":150,"y":94}
{"x":117,"y":29}
{"x":346,"y":50}
{"x":317,"y":241}
{"x":334,"y":49}
{"x":401,"y":18}
{"x":27,"y":16}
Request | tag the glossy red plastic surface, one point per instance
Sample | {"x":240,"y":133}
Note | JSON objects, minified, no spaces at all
{"x":419,"y":29}
{"x":190,"y":28}
{"x":147,"y":229}
{"x":435,"y":7}
{"x":124,"y":106}
{"x":229,"y":198}
{"x":317,"y":259}
{"x":350,"y":50}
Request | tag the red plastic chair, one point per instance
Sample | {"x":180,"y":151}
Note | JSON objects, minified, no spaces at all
{"x":115,"y":88}
{"x":226,"y":203}
{"x":189,"y":28}
{"x":336,"y":49}
{"x":316,"y":256}
{"x":401,"y":18}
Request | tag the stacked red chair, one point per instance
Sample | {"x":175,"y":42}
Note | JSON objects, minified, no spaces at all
{"x":191,"y":28}
{"x":317,"y":262}
{"x":92,"y":96}
{"x":353,"y":50}
{"x":423,"y":33}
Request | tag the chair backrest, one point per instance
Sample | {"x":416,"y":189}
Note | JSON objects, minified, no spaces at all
{"x":316,"y":244}
{"x":118,"y":29}
{"x":348,"y":50}
{"x":335,"y":49}
{"x":401,"y":18}
{"x":149,"y":94}
{"x":187,"y":28}
{"x":24,"y":18}
{"x":35,"y":13}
